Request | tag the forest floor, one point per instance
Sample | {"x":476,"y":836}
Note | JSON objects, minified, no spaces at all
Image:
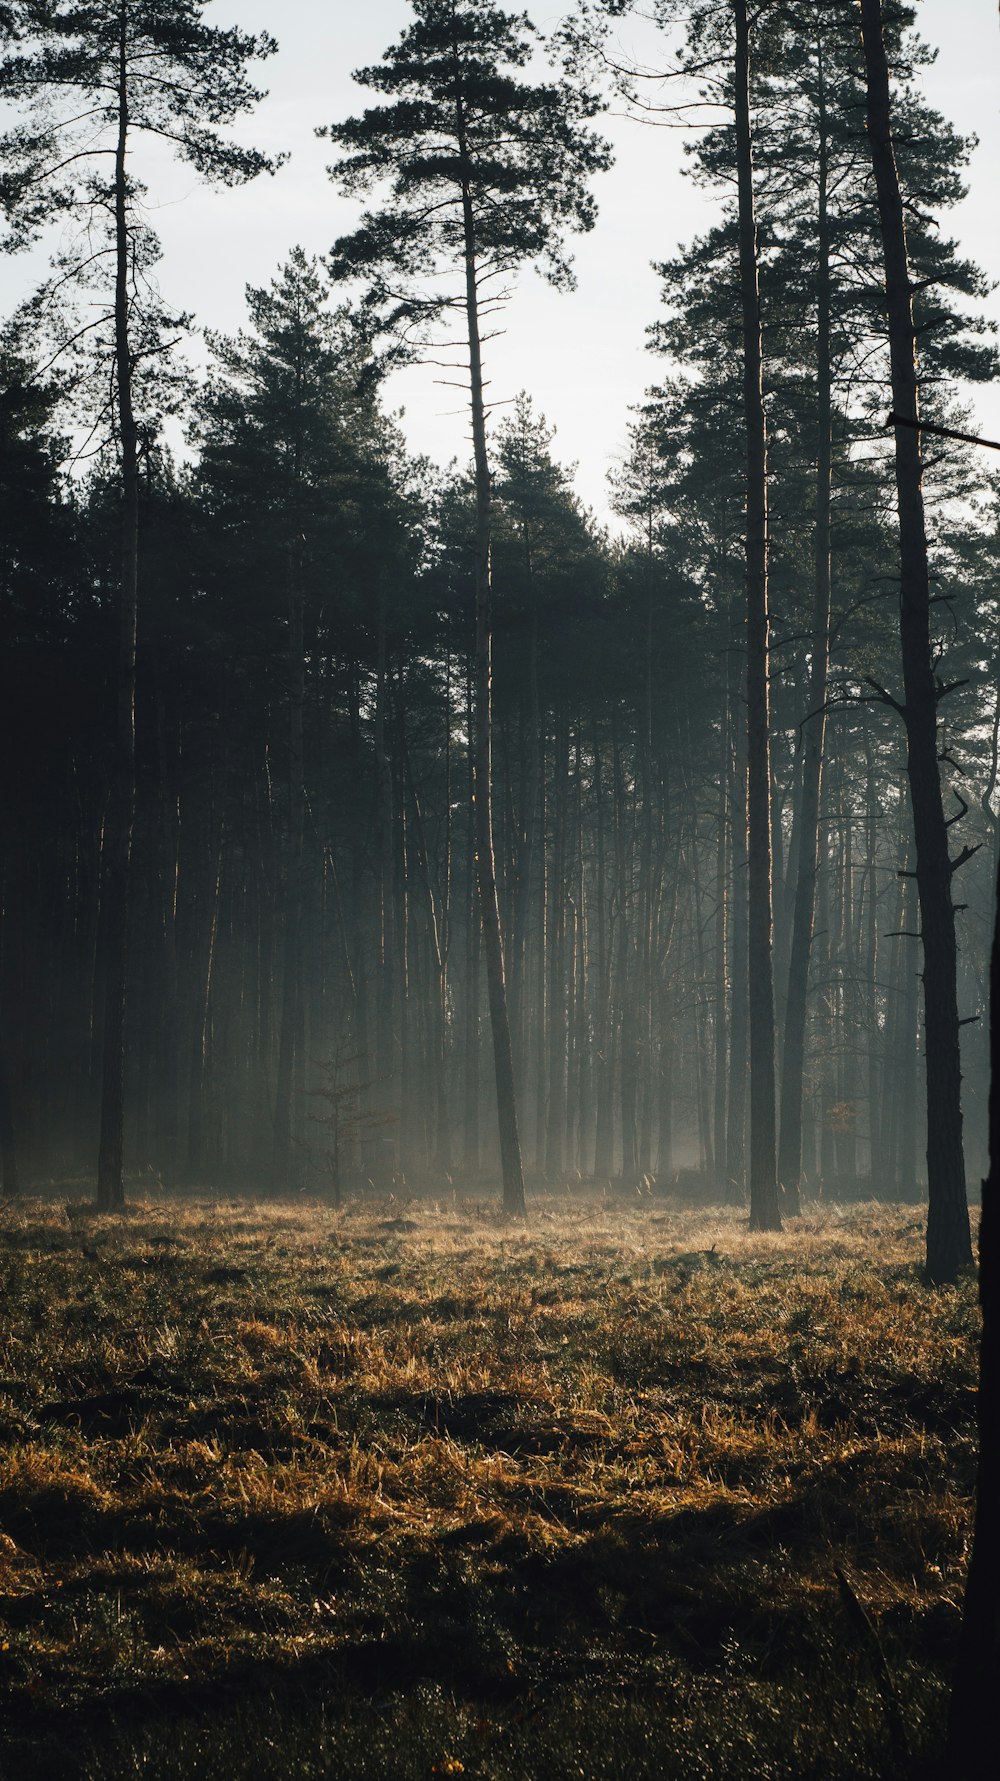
{"x":401,"y":1491}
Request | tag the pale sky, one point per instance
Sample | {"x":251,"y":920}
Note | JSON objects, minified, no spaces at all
{"x":581,"y":356}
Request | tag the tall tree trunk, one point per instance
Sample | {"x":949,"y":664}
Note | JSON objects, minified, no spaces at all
{"x":647,"y":900}
{"x":765,"y":1213}
{"x":385,"y":1038}
{"x":510,"y":1146}
{"x":603,"y":1028}
{"x":437,"y":1002}
{"x":557,"y":995}
{"x":872,"y":961}
{"x":949,"y":1243}
{"x":121,"y":803}
{"x":168,"y":1039}
{"x":206,"y":917}
{"x":793,"y":1047}
{"x":721,"y":959}
{"x":470,"y":1059}
{"x":623,"y":1016}
{"x":909,"y":1052}
{"x":736,"y":1119}
{"x":971,"y":1723}
{"x":286,"y":1168}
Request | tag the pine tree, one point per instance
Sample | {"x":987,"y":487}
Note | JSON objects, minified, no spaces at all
{"x":91,"y":78}
{"x":949,"y":1243}
{"x":295,"y":462}
{"x":487,"y":172}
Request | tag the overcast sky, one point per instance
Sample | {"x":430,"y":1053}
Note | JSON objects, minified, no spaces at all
{"x":581,"y":355}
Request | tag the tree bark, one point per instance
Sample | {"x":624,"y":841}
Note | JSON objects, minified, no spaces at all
{"x":765,"y":1214}
{"x":949,"y":1243}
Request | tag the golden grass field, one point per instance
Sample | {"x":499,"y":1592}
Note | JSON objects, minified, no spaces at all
{"x":401,"y":1490}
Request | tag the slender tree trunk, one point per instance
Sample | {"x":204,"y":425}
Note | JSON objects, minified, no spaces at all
{"x":121,"y":803}
{"x":949,"y":1243}
{"x":765,"y":1214}
{"x":909,"y":1052}
{"x":874,"y":1093}
{"x":510,"y":1146}
{"x":168,"y":1038}
{"x":736,"y":1119}
{"x":285,"y":1169}
{"x":603,"y":1034}
{"x":827,"y":1044}
{"x":470,"y":1060}
{"x":623,"y":1018}
{"x":385,"y":1039}
{"x":207,"y":927}
{"x":644,"y":962}
{"x":437,"y":1004}
{"x":793,"y":1048}
{"x":721,"y":960}
{"x":557,"y":996}
{"x":702,"y":1068}
{"x":584,"y":1029}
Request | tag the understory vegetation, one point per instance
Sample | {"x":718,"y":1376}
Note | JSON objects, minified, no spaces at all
{"x":404,"y":1490}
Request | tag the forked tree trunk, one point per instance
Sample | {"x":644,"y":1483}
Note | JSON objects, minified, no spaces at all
{"x":121,"y":801}
{"x":949,"y":1243}
{"x":765,"y":1214}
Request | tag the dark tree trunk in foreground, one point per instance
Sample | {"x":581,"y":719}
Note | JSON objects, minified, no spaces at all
{"x":510,"y":1146}
{"x":121,"y":803}
{"x":971,"y":1733}
{"x":949,"y":1244}
{"x":793,"y":1047}
{"x":764,"y":1208}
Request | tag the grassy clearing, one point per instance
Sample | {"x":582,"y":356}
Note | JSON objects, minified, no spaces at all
{"x":405,"y":1492}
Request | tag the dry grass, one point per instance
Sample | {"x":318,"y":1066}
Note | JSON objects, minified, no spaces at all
{"x":383,"y":1491}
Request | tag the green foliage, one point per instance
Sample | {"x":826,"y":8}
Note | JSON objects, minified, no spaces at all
{"x":88,"y":81}
{"x":183,"y":78}
{"x":474,"y":157}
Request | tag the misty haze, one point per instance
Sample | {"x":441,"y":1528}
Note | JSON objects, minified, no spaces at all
{"x":498,"y":875}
